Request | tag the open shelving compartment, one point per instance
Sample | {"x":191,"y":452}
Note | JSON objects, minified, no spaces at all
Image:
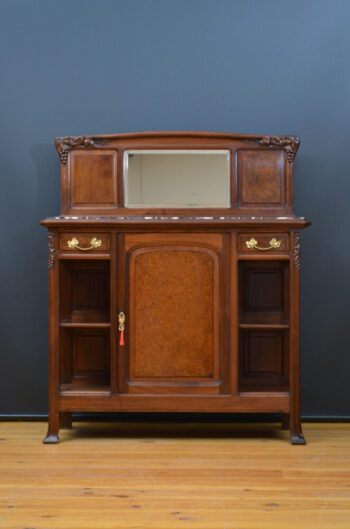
{"x":263,"y":325}
{"x":85,"y":327}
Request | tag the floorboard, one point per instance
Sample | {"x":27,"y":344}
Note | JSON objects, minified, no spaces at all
{"x":200,"y":476}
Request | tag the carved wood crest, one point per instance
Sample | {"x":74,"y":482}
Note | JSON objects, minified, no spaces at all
{"x":289,"y":143}
{"x":64,"y":145}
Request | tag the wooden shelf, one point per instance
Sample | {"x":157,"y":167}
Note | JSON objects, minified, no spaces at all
{"x":263,"y":257}
{"x":82,"y":325}
{"x":260,"y":392}
{"x":267,"y":326}
{"x":84,"y":257}
{"x":88,"y":390}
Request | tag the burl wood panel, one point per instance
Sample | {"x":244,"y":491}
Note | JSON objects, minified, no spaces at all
{"x":93,"y":179}
{"x":260,"y":178}
{"x":173,"y":312}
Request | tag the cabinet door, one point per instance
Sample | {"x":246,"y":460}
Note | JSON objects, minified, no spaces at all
{"x":171,"y":291}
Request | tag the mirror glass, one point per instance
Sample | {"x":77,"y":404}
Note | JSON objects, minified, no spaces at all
{"x":177,"y":178}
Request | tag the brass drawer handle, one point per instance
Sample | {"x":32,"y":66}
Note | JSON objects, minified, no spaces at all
{"x":94,"y":243}
{"x":252,"y":243}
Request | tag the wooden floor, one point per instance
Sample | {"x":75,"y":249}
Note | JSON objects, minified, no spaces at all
{"x":142,"y":476}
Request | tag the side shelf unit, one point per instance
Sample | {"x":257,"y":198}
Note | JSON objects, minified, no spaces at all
{"x":85,"y":325}
{"x":264,"y":325}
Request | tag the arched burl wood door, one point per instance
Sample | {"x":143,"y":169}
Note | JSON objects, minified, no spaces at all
{"x":172,"y":291}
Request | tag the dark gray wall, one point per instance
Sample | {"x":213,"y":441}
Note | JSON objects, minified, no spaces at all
{"x":86,"y":67}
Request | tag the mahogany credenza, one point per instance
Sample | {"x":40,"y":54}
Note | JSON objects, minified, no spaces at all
{"x":174,"y":277}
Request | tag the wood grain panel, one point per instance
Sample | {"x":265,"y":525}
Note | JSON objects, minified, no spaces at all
{"x":93,"y":179}
{"x":84,"y":358}
{"x":264,"y":359}
{"x":173,"y":312}
{"x":263,"y":290}
{"x":263,"y":354}
{"x":90,"y":353}
{"x":260,"y":177}
{"x":90,"y":289}
{"x":84,"y":291}
{"x":264,"y":295}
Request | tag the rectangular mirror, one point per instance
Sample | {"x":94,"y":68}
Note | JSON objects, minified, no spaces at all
{"x":177,"y":178}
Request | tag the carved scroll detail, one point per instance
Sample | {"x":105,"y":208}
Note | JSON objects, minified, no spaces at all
{"x":52,"y":240}
{"x":65,"y":145}
{"x":296,"y":250}
{"x":289,"y":143}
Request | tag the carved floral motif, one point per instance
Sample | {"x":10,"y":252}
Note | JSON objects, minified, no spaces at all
{"x":296,"y":250}
{"x":52,"y":239}
{"x":289,"y":143}
{"x":64,"y":145}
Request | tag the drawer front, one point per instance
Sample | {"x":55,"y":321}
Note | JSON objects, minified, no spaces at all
{"x":263,"y":243}
{"x":85,"y":242}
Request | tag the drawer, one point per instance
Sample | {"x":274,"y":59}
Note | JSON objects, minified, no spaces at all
{"x":263,"y":243}
{"x":85,"y":242}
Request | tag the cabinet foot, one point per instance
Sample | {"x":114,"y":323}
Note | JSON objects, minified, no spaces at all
{"x":53,"y":428}
{"x":297,"y":439}
{"x":51,"y":439}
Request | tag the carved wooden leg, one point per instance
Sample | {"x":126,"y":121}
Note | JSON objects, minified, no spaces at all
{"x":53,"y":428}
{"x":54,"y":415}
{"x":296,"y":434}
{"x":285,"y":421}
{"x":66,"y":420}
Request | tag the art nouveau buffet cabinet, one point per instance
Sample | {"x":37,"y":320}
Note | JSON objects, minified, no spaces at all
{"x":174,"y":277}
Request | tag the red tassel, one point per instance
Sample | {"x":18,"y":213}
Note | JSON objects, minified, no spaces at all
{"x":121,"y":341}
